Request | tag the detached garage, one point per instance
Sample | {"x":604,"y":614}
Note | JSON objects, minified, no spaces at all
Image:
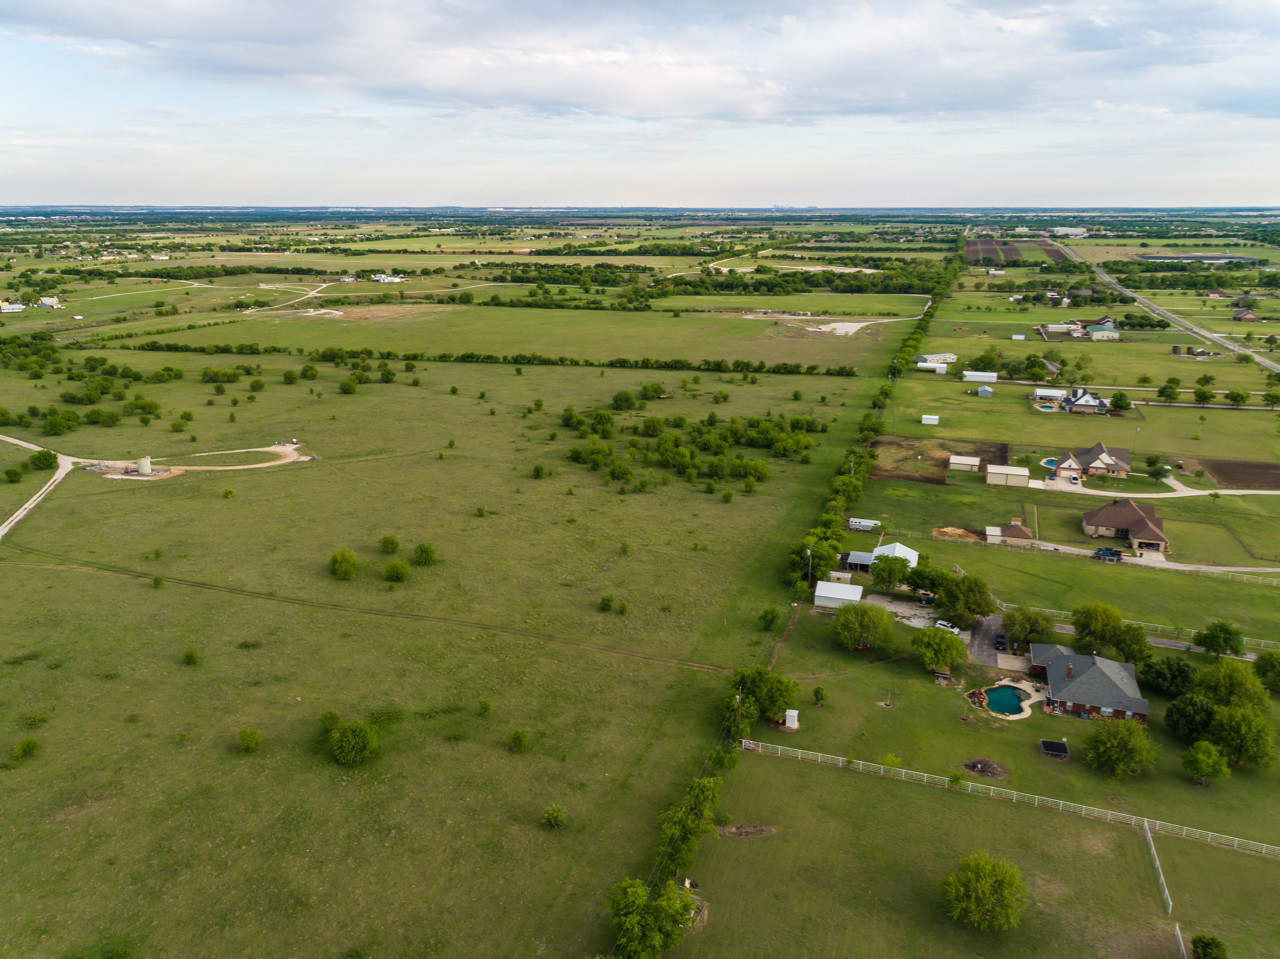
{"x":834,"y":595}
{"x":1008,"y":476}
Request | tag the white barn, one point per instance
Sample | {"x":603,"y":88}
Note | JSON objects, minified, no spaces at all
{"x":827,"y":595}
{"x":980,"y":376}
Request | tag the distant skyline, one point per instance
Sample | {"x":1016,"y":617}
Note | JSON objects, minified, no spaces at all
{"x":491,"y":103}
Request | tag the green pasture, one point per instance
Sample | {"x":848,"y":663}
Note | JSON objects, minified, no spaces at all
{"x":835,"y":304}
{"x":856,"y":862}
{"x":1008,"y":417}
{"x":138,"y":817}
{"x":584,"y":334}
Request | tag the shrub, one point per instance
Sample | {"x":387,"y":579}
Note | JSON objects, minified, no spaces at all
{"x":727,"y":496}
{"x":485,"y":707}
{"x":819,"y":695}
{"x":397,"y":571}
{"x":386,"y":717}
{"x":1208,"y":947}
{"x":519,"y":741}
{"x":353,"y":743}
{"x":228,"y":493}
{"x":13,"y":475}
{"x":290,"y":377}
{"x":44,"y":460}
{"x":157,"y":582}
{"x":769,"y":617}
{"x":389,"y":544}
{"x":347,"y":386}
{"x":330,"y":721}
{"x":190,"y":657}
{"x":553,"y":816}
{"x":606,"y":603}
{"x":424,"y":554}
{"x":24,"y":749}
{"x":342,"y":564}
{"x":250,"y":741}
{"x":985,"y":893}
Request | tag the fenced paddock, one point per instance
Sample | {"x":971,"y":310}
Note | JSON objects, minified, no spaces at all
{"x":1010,"y":795}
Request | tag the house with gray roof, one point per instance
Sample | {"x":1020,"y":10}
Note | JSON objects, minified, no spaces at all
{"x":1088,"y":685}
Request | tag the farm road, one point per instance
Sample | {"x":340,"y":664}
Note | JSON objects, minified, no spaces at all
{"x":1179,"y":489}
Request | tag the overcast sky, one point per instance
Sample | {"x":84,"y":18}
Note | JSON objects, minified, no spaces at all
{"x":615,"y":102}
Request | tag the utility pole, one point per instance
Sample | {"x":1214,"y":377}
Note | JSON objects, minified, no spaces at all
{"x":808,"y":551}
{"x":738,"y":698}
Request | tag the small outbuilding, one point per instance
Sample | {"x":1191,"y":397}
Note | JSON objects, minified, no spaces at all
{"x":929,"y":419}
{"x":828,"y":595}
{"x":980,"y":376}
{"x":986,"y":392}
{"x":939,"y":368}
{"x":793,"y":719}
{"x":1008,"y":475}
{"x":1049,"y":395}
{"x":1015,"y":534}
{"x":965,"y":464}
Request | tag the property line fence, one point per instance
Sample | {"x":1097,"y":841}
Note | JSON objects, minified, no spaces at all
{"x":1010,"y":795}
{"x":1182,"y":946}
{"x":1155,"y":860}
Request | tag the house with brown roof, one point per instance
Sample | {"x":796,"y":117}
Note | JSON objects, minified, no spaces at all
{"x":1216,"y":294}
{"x":1087,"y":686}
{"x":1130,"y":521}
{"x":1244,"y":316}
{"x":1095,"y":460}
{"x":1015,"y":534}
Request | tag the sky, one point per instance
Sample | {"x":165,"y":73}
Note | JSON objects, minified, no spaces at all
{"x":619,"y":103}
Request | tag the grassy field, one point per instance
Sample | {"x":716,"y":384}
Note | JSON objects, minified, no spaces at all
{"x":835,"y":304}
{"x":855,"y":865}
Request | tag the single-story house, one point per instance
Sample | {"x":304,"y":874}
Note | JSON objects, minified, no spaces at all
{"x":827,"y":595}
{"x":856,"y":559}
{"x":50,"y":302}
{"x":1244,"y":302}
{"x":1049,"y":395}
{"x":385,"y":278}
{"x":1099,"y":332}
{"x":1008,"y":475}
{"x":980,"y":376}
{"x":1087,"y":685}
{"x":937,"y":358}
{"x":12,"y":307}
{"x":1216,"y":294}
{"x":1130,"y":521}
{"x":1244,"y":316}
{"x":1095,"y":460}
{"x":1083,"y":401}
{"x":965,"y":464}
{"x":1061,"y":327}
{"x":1110,"y":321}
{"x":986,"y":392}
{"x":1015,"y":534}
{"x":995,"y":272}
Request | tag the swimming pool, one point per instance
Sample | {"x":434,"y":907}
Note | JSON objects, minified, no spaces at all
{"x":1047,"y":407}
{"x":1006,"y":700}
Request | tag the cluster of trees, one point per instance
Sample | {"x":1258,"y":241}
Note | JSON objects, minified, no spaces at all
{"x":344,"y":565}
{"x":1222,"y":712}
{"x":993,"y":360}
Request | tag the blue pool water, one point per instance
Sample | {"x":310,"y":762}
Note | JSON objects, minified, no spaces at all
{"x":1051,"y":463}
{"x":1006,"y":700}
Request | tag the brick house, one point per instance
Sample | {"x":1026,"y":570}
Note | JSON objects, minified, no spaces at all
{"x":1127,"y":520}
{"x":1087,"y":686}
{"x":1096,"y":460}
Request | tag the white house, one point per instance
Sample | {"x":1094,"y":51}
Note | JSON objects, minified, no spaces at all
{"x":979,"y":376}
{"x":12,"y":307}
{"x":866,"y":558}
{"x":384,"y":278}
{"x":827,"y":595}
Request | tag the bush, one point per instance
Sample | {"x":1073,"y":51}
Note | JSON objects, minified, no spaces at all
{"x":484,"y":707}
{"x":44,"y":460}
{"x":190,"y":657}
{"x":985,"y":893}
{"x":397,"y":571}
{"x":330,"y":721}
{"x":228,"y":493}
{"x":863,"y":626}
{"x":290,"y":377}
{"x":1121,"y":747}
{"x":157,"y":582}
{"x":1208,"y":947}
{"x":389,"y":544}
{"x":424,"y":554}
{"x":819,"y":695}
{"x":386,"y":717}
{"x":24,"y":749}
{"x":768,"y":618}
{"x":13,"y":475}
{"x":342,"y":564}
{"x":606,"y":603}
{"x":553,"y":816}
{"x":250,"y":741}
{"x":347,"y":386}
{"x":353,"y":743}
{"x":519,"y":741}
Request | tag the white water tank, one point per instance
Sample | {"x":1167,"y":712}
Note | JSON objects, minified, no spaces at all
{"x":144,"y":466}
{"x":793,"y":719}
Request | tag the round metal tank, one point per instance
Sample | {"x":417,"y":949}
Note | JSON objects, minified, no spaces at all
{"x":144,"y":466}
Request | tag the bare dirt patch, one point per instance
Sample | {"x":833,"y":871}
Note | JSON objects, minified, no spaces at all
{"x":743,"y":832}
{"x":957,"y":534}
{"x":1244,"y":474}
{"x":924,"y":460}
{"x":987,"y":768}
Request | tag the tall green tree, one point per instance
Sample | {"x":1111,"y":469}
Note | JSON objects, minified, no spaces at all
{"x":1022,"y":624}
{"x":888,"y":571}
{"x":1189,"y":717}
{"x":1242,"y":735}
{"x":1204,"y":763}
{"x":1230,"y":682}
{"x":963,"y":599}
{"x":1098,"y":627}
{"x":1220,"y":636}
{"x":939,"y":648}
{"x":863,"y":626}
{"x":647,"y":924}
{"x":1267,"y":669}
{"x":985,"y":893}
{"x":1120,"y":747}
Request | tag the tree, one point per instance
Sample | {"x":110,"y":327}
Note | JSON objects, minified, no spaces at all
{"x":1120,"y":747}
{"x":624,"y":400}
{"x":1271,"y":398}
{"x":1242,"y":735}
{"x":389,"y":544}
{"x":424,"y":554}
{"x":1203,"y":395}
{"x":1170,"y":675}
{"x":1097,"y":625}
{"x":1208,"y":947}
{"x":1144,"y":379}
{"x":1205,"y":380}
{"x":1237,"y":398}
{"x":1203,"y":763}
{"x":397,"y":571}
{"x":1189,"y":717}
{"x":1220,"y":636}
{"x":353,"y":742}
{"x":768,"y":618}
{"x":1022,"y":624}
{"x":342,"y":564}
{"x":926,"y":578}
{"x":888,"y":571}
{"x":962,"y":599}
{"x":985,"y":893}
{"x":770,"y":693}
{"x":44,"y":460}
{"x":1230,"y":683}
{"x":939,"y":648}
{"x":648,"y":925}
{"x":1120,"y":401}
{"x":1168,"y":393}
{"x":863,"y":626}
{"x":1267,"y":668}
{"x":1132,"y":645}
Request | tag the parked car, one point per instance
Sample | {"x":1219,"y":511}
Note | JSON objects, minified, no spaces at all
{"x":1108,"y":554}
{"x":1074,"y":478}
{"x":928,"y":600}
{"x":1001,"y":645}
{"x":943,"y":624}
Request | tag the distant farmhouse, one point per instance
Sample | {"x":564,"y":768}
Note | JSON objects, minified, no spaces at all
{"x":1130,"y":521}
{"x":1082,"y":401}
{"x":1096,"y":460}
{"x":1088,"y":685}
{"x":1245,"y":316}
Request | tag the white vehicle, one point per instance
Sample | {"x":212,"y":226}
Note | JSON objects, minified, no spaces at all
{"x":943,"y":624}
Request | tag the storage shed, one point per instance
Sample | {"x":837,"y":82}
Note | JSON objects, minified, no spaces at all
{"x":793,"y":719}
{"x":828,"y":595}
{"x":965,"y":464}
{"x":929,"y":419}
{"x":939,"y":368}
{"x":1008,"y":475}
{"x":986,"y":392}
{"x":979,"y":376}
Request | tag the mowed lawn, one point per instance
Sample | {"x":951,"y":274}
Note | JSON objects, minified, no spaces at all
{"x":838,"y":304}
{"x":597,"y":335}
{"x":855,"y":866}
